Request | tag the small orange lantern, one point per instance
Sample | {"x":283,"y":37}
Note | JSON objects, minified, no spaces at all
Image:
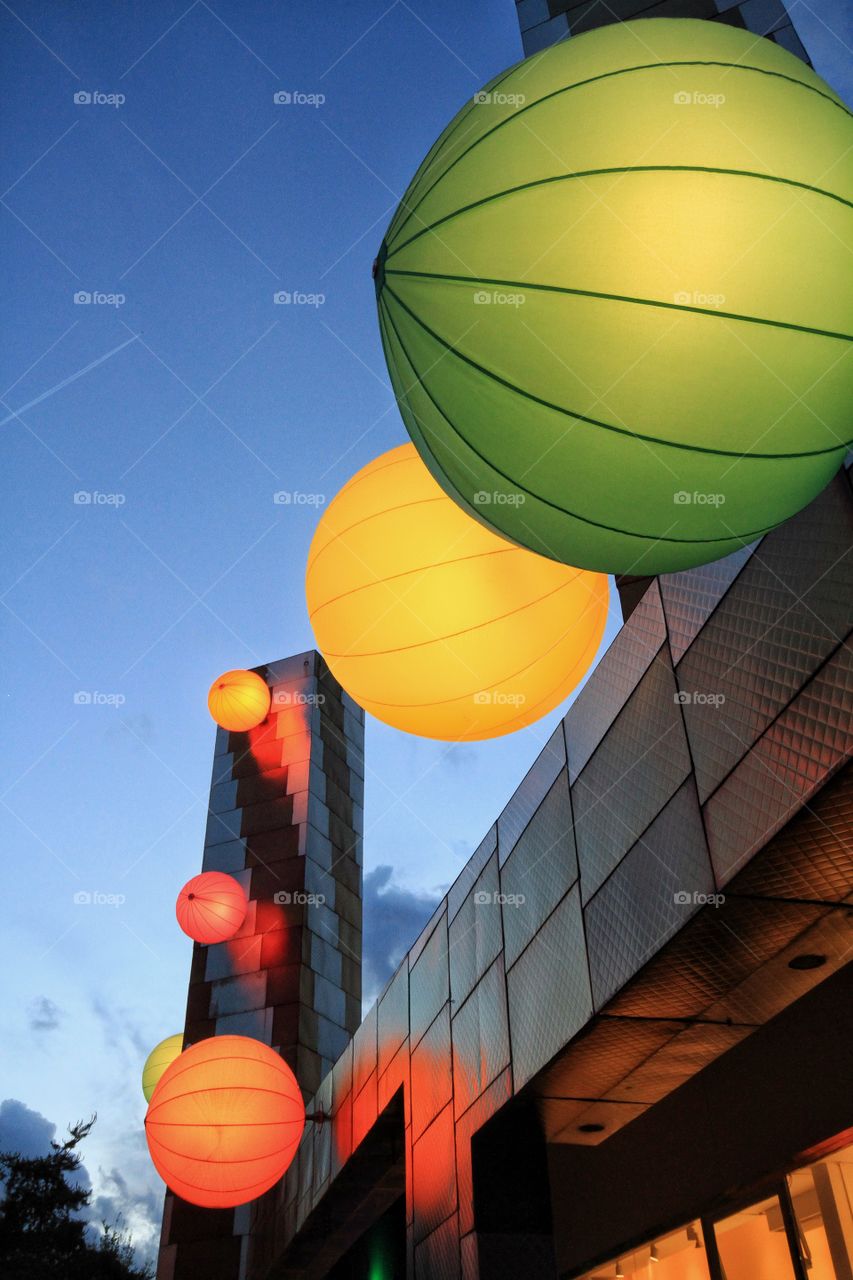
{"x":224,"y":1122}
{"x":239,"y":700}
{"x":211,"y":907}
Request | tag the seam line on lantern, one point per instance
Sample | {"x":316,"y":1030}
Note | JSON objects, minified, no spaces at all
{"x":597,"y":422}
{"x":462,"y":116}
{"x":366,"y":472}
{"x":620,"y":169}
{"x":607,"y":75}
{"x":741,"y":539}
{"x":454,"y":635}
{"x":640,"y":302}
{"x":419,"y":502}
{"x":439,"y":564}
{"x":585,"y":658}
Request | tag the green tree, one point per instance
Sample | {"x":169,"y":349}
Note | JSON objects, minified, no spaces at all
{"x":42,"y":1235}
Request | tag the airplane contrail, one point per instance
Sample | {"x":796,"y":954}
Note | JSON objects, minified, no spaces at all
{"x":65,"y":382}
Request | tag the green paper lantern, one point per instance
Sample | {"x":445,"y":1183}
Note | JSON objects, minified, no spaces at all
{"x":615,"y":300}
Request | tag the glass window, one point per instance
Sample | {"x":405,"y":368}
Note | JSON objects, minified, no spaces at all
{"x":822,"y":1196}
{"x":753,"y":1243}
{"x":680,"y":1255}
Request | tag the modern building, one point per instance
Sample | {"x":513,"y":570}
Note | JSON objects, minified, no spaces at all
{"x":621,"y":1047}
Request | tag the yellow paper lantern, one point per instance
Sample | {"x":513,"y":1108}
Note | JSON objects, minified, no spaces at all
{"x":433,"y":623}
{"x":160,"y":1057}
{"x":239,"y":700}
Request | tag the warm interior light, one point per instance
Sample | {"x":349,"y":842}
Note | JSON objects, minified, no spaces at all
{"x":653,"y":1254}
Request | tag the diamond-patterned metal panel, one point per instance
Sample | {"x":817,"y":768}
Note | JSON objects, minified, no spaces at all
{"x":364,"y":1051}
{"x":614,"y":680}
{"x":811,"y":739}
{"x":812,"y":856}
{"x":480,"y":1039}
{"x":470,"y":1260}
{"x":603,"y":1055}
{"x":437,"y":1257}
{"x":463,"y":883}
{"x":434,"y":1174}
{"x":393,"y":1016}
{"x":529,"y":795}
{"x":704,"y":963}
{"x":612,"y":1116}
{"x":499,"y":1092}
{"x":542,"y":867}
{"x":682,"y":1056}
{"x":774,"y":984}
{"x":789,"y":608}
{"x":549,"y":991}
{"x":690,"y":597}
{"x":432,"y":1084}
{"x":664,"y":879}
{"x":429,"y":982}
{"x":475,"y":934}
{"x":637,"y":768}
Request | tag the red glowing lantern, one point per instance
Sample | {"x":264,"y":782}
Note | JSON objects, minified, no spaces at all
{"x":224,"y":1122}
{"x":211,"y":907}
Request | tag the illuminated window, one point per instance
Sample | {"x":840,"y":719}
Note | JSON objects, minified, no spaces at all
{"x":680,"y":1255}
{"x":753,"y":1243}
{"x":822,"y":1196}
{"x":804,"y":1229}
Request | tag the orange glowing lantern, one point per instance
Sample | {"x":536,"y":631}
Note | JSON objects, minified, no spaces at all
{"x":211,"y":907}
{"x":224,"y":1122}
{"x":239,"y":700}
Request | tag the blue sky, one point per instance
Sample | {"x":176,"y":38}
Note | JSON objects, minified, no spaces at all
{"x":185,"y":197}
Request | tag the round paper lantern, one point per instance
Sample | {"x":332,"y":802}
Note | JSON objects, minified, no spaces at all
{"x":160,"y":1057}
{"x":224,"y":1122}
{"x":211,"y":907}
{"x":239,"y":700}
{"x":619,"y":286}
{"x":433,"y":623}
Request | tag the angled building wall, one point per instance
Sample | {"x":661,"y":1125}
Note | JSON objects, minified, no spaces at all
{"x":639,"y":911}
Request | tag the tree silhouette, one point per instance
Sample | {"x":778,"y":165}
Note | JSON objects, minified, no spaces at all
{"x":42,"y":1235}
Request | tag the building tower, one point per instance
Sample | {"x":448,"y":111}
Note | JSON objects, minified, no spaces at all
{"x":285,"y":818}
